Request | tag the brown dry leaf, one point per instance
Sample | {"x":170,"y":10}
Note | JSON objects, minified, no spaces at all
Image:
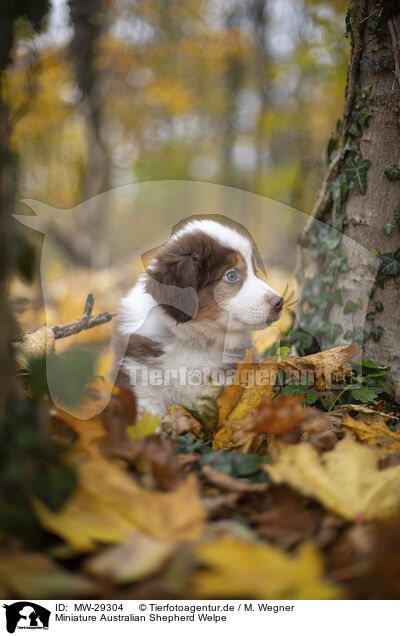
{"x":179,"y":421}
{"x":237,"y":434}
{"x":34,"y":575}
{"x":34,"y":345}
{"x":136,"y":558}
{"x":279,"y":417}
{"x":357,"y":410}
{"x":108,"y":505}
{"x":375,"y":433}
{"x":325,"y":368}
{"x":285,"y":517}
{"x":90,"y":433}
{"x":159,"y":456}
{"x":241,"y":569}
{"x":346,"y":479}
{"x":285,"y":413}
{"x":226,"y":482}
{"x":120,"y":411}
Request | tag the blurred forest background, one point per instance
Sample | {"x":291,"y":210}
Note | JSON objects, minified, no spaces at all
{"x":240,"y":93}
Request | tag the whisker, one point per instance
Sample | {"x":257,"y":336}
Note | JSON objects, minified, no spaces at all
{"x":288,"y":305}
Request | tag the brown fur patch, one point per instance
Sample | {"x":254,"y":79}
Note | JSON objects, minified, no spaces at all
{"x":214,"y":295}
{"x":139,"y":348}
{"x":197,"y":261}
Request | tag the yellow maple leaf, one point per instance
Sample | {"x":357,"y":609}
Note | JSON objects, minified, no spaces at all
{"x":374,"y":433}
{"x":241,"y":569}
{"x":230,"y":394}
{"x":255,"y":382}
{"x":346,"y":480}
{"x":108,"y":505}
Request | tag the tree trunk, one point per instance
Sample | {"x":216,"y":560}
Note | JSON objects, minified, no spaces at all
{"x":369,"y":213}
{"x":7,"y":366}
{"x":88,"y":19}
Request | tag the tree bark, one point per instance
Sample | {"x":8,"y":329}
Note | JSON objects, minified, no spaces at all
{"x":375,"y":33}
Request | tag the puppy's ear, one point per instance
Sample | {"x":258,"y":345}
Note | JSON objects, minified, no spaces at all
{"x":173,"y":280}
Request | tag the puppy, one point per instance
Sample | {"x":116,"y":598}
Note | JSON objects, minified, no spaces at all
{"x":190,"y":316}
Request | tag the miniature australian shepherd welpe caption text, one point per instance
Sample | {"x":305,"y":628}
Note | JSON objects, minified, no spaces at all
{"x":191,"y":314}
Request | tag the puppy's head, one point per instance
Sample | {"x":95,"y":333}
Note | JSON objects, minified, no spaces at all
{"x":210,"y":272}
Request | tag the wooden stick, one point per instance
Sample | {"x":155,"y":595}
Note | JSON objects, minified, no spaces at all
{"x":81,"y":324}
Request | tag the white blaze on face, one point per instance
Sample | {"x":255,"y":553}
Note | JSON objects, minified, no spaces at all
{"x":252,"y":305}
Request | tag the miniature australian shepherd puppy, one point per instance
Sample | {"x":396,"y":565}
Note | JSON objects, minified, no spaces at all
{"x":191,"y":314}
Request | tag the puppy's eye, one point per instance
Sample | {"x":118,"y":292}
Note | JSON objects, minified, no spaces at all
{"x":232,"y":276}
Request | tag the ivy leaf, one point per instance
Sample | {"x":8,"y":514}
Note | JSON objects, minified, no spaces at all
{"x":396,"y":214}
{"x":366,"y":91}
{"x":370,"y":315}
{"x":386,"y":62}
{"x":336,"y":296}
{"x":352,"y":306}
{"x":392,"y":172}
{"x":357,"y":172}
{"x":331,"y":331}
{"x":377,"y":332}
{"x":368,"y":63}
{"x":332,"y":145}
{"x":388,"y":226}
{"x":390,"y":265}
{"x":379,"y":306}
{"x":365,"y":114}
{"x":340,"y":187}
{"x":355,"y":335}
{"x":355,"y":130}
{"x":352,"y":145}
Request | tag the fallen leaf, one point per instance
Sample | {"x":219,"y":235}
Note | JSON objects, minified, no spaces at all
{"x":158,"y":455}
{"x":285,"y":413}
{"x":146,"y":425}
{"x":89,"y":433}
{"x":285,"y":517}
{"x":138,"y":557}
{"x":231,"y":393}
{"x":179,"y":421}
{"x":232,"y":484}
{"x":346,"y":479}
{"x":241,"y":569}
{"x":120,"y":411}
{"x":323,"y":369}
{"x":108,"y":505}
{"x":259,"y":386}
{"x":375,"y":433}
{"x":34,"y":575}
{"x":357,"y":409}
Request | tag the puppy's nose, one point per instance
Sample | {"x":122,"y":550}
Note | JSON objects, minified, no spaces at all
{"x":275,"y":302}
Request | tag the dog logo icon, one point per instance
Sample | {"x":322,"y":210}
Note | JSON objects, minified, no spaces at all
{"x":26,"y":615}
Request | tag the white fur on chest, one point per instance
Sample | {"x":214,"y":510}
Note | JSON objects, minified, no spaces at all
{"x":192,"y":355}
